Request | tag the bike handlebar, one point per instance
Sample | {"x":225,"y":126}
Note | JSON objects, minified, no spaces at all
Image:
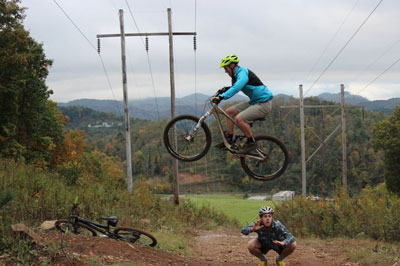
{"x":220,"y":91}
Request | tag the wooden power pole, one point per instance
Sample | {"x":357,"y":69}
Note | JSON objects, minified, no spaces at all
{"x":344,"y":142}
{"x":170,"y":34}
{"x":324,"y":142}
{"x":303,"y":145}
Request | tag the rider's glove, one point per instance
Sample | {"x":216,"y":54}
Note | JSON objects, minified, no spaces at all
{"x":222,"y":90}
{"x":216,"y":99}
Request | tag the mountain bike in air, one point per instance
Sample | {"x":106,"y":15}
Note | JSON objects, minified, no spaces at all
{"x":78,"y":225}
{"x":188,"y":138}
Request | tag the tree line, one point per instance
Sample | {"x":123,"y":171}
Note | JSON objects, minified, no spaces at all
{"x":34,"y":130}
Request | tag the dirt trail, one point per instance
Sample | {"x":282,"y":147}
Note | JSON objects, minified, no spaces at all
{"x":220,"y":247}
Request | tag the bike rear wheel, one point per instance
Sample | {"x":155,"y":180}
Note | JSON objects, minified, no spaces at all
{"x":190,"y":145}
{"x":136,"y":236}
{"x":77,"y":228}
{"x":274,"y":163}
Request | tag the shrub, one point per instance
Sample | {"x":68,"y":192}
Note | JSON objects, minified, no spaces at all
{"x":373,"y":213}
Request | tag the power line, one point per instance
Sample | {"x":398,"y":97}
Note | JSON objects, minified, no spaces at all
{"x":94,"y":48}
{"x":332,"y":39}
{"x":148,"y":59}
{"x":195,"y":57}
{"x":383,"y":72}
{"x":341,"y":50}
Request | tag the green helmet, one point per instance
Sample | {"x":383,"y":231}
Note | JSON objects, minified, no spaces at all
{"x":232,"y":58}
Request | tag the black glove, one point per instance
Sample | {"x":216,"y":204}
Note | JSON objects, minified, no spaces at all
{"x":222,"y":90}
{"x":216,"y":99}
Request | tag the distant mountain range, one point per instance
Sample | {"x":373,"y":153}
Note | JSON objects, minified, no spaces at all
{"x":384,"y":106}
{"x":159,"y":108}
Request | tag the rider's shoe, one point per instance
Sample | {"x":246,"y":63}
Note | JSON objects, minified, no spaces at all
{"x":222,"y":144}
{"x":280,"y":263}
{"x":262,"y":263}
{"x":248,"y":147}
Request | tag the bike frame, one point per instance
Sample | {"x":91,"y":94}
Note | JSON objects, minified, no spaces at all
{"x":215,"y":110}
{"x":104,"y":229}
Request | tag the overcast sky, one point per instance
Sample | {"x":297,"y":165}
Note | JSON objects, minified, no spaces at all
{"x":285,"y":42}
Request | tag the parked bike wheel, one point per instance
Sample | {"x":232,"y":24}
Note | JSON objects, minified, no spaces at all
{"x":190,"y":146}
{"x":135,"y":236}
{"x":78,"y":228}
{"x":274,"y":164}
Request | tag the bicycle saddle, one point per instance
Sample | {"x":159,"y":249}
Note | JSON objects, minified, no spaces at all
{"x":258,"y":119}
{"x":112,"y":220}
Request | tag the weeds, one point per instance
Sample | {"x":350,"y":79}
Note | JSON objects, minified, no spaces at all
{"x":373,"y":213}
{"x":41,"y":195}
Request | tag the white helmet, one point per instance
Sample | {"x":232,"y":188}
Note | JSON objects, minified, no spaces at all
{"x":264,"y":210}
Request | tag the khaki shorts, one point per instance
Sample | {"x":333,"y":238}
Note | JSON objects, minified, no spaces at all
{"x":251,"y":112}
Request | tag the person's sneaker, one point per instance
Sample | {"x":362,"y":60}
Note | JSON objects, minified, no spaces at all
{"x":222,"y":144}
{"x":248,"y":147}
{"x":280,"y":263}
{"x":262,"y":263}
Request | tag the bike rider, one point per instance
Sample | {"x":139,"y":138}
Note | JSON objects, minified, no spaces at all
{"x":259,"y":105}
{"x":271,"y":235}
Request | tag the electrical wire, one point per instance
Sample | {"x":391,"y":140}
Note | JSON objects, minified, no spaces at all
{"x":332,"y":39}
{"x":383,"y":72}
{"x":195,"y":57}
{"x":148,"y":59}
{"x":345,"y":45}
{"x":94,"y":48}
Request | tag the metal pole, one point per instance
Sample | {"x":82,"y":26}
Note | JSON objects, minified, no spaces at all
{"x":303,"y":145}
{"x":344,"y":140}
{"x":125,"y":89}
{"x":172,"y":82}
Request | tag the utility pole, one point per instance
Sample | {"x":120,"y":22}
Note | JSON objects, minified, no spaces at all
{"x":170,"y":34}
{"x":324,"y":142}
{"x":172,"y":84}
{"x":344,"y":140}
{"x":303,"y":145}
{"x":126,"y":109}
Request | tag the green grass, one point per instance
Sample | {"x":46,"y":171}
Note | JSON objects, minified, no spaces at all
{"x":234,"y":206}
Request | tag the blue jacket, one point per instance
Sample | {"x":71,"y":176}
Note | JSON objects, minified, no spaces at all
{"x":245,"y":80}
{"x":277,"y":232}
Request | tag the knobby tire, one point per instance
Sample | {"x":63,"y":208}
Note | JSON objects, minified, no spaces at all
{"x":136,"y":236}
{"x":81,"y":229}
{"x":187,"y":151}
{"x":275,"y":164}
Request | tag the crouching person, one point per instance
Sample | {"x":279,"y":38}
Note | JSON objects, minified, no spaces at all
{"x":271,"y":235}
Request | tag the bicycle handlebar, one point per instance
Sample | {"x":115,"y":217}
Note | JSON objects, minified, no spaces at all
{"x":220,"y":91}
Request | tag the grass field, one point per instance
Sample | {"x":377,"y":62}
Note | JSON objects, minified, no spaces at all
{"x":234,"y":206}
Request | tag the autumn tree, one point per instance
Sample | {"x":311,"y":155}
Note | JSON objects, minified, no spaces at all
{"x":29,"y":125}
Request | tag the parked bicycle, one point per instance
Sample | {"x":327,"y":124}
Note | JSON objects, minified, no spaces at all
{"x":193,"y":140}
{"x":78,"y":225}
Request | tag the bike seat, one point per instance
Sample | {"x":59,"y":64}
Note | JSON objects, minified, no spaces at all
{"x":112,"y":220}
{"x":258,"y":119}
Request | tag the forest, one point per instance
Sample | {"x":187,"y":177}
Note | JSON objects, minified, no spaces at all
{"x":35,"y":130}
{"x":365,"y":162}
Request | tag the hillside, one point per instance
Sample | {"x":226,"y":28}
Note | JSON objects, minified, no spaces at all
{"x":384,"y":106}
{"x":160,"y":108}
{"x":149,"y":108}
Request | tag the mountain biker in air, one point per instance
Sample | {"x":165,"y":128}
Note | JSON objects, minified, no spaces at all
{"x":259,"y":105}
{"x":271,"y":235}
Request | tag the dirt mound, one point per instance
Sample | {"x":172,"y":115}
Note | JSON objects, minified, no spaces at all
{"x":210,"y":248}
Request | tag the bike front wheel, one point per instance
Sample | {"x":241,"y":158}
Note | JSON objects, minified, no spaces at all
{"x":135,"y":236}
{"x":191,"y":143}
{"x":76,"y":228}
{"x":268,"y":161}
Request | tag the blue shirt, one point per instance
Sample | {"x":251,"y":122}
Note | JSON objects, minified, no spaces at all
{"x":277,"y":232}
{"x":246,"y":81}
